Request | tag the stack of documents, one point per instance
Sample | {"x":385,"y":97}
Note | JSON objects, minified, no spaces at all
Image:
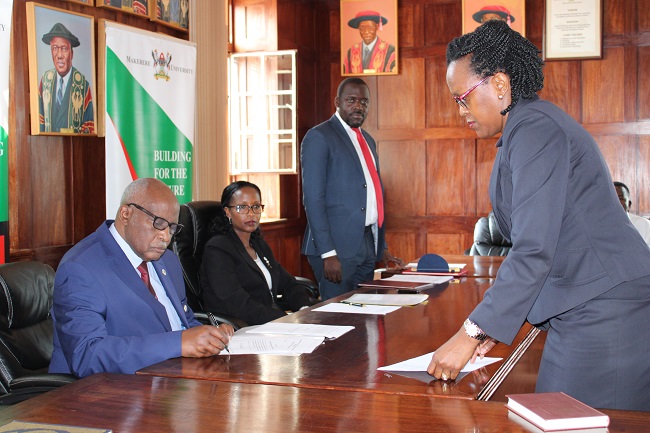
{"x":373,"y":303}
{"x":419,"y":364}
{"x":408,"y":281}
{"x":282,"y":338}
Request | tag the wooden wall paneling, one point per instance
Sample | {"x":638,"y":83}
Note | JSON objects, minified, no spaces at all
{"x":405,"y":245}
{"x":88,"y":159}
{"x":620,"y":153}
{"x":643,"y":83}
{"x":451,"y":177}
{"x":441,"y":110}
{"x":400,"y":99}
{"x":562,"y":84}
{"x":255,"y":25}
{"x":630,"y":89}
{"x":442,"y":22}
{"x":603,"y":82}
{"x":619,"y":17}
{"x":447,"y":243}
{"x":643,"y":19}
{"x":486,"y":152}
{"x":642,"y":205}
{"x":403,"y":173}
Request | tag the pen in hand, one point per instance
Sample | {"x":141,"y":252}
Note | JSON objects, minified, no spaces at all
{"x":213,"y":321}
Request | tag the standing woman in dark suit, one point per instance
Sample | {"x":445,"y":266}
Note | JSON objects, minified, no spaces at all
{"x":239,"y":275}
{"x":577,"y":268}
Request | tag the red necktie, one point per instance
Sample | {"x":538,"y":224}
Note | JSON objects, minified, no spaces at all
{"x":365,"y":149}
{"x":144,"y":275}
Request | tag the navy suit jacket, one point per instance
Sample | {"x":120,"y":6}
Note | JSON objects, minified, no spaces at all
{"x":553,"y":198}
{"x":335,"y":191}
{"x":233,"y":284}
{"x":105,"y":319}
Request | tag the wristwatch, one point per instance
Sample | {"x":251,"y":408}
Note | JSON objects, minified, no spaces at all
{"x":472,"y":330}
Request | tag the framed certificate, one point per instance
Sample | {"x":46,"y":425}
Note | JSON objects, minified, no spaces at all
{"x":573,"y":29}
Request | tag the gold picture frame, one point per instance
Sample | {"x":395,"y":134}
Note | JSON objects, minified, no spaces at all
{"x":172,"y":13}
{"x":369,"y":38}
{"x":138,"y":8}
{"x":476,"y":12}
{"x":61,"y":42}
{"x":83,"y":2}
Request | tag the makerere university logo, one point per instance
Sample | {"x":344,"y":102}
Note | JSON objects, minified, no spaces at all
{"x":162,"y":64}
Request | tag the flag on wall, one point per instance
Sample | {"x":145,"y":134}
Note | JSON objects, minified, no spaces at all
{"x":150,"y":106}
{"x":5,"y":36}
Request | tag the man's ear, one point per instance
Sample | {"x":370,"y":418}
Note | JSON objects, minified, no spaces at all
{"x":124,"y":213}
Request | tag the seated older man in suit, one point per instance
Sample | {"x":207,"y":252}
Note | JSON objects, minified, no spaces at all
{"x":119,"y":297}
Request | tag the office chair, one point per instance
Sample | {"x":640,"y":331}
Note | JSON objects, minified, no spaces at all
{"x":188,"y":245}
{"x":26,"y":332}
{"x":488,"y":240}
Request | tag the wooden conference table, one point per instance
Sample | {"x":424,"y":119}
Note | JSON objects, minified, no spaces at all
{"x":350,"y":362}
{"x":126,"y":403}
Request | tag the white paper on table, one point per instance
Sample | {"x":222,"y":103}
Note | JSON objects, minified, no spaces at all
{"x":327,"y":331}
{"x":386,"y":299}
{"x":429,"y":280}
{"x":337,"y":307}
{"x":247,"y":344}
{"x":420,"y":363}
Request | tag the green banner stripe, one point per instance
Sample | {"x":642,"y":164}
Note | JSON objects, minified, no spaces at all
{"x":155,"y":146}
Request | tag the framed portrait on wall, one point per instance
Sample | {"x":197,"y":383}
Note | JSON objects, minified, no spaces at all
{"x":135,"y":7}
{"x":61,"y":50}
{"x":172,"y":13}
{"x":369,"y":37}
{"x":476,"y":12}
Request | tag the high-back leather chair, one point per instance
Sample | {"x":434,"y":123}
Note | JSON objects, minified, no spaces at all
{"x":26,"y":332}
{"x":196,"y":217}
{"x":488,"y":240}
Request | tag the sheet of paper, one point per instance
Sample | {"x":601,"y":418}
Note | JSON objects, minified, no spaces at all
{"x":337,"y":307}
{"x":246,"y":344}
{"x":386,"y":299}
{"x":327,"y":331}
{"x":420,"y":363}
{"x":425,"y":279}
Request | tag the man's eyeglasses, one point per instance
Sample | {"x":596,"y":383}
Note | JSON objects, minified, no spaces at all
{"x":460,"y":100}
{"x":353,"y":101}
{"x":244,"y":208}
{"x":159,"y":222}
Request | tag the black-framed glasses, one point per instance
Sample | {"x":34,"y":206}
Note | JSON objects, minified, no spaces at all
{"x":353,"y":101}
{"x":244,"y":208}
{"x":160,"y":223}
{"x":460,"y":100}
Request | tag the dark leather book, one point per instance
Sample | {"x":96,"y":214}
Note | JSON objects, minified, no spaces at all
{"x":553,"y":411}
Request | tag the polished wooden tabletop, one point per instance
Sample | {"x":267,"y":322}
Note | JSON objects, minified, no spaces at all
{"x":350,"y":362}
{"x":126,"y":403}
{"x":478,"y":266}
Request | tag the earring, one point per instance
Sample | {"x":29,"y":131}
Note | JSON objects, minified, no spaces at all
{"x":230,"y":220}
{"x":500,"y":96}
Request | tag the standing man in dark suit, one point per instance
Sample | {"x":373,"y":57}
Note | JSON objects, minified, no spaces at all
{"x":343,"y":195}
{"x":119,"y":297}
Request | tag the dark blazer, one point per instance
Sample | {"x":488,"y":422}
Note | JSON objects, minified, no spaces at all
{"x":334,"y":191}
{"x":233,"y":284}
{"x":552,"y":196}
{"x":105,"y":319}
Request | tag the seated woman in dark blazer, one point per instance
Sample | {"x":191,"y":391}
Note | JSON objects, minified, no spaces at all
{"x":239,"y":275}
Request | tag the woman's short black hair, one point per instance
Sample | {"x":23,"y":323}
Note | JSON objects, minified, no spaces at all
{"x":221,"y":223}
{"x":495,"y":47}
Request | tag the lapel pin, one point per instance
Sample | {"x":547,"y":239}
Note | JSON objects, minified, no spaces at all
{"x":185,"y":308}
{"x":164,"y":272}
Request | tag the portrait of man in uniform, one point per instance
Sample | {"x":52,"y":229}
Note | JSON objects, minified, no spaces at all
{"x":476,"y":12}
{"x":369,"y":39}
{"x":62,"y":70}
